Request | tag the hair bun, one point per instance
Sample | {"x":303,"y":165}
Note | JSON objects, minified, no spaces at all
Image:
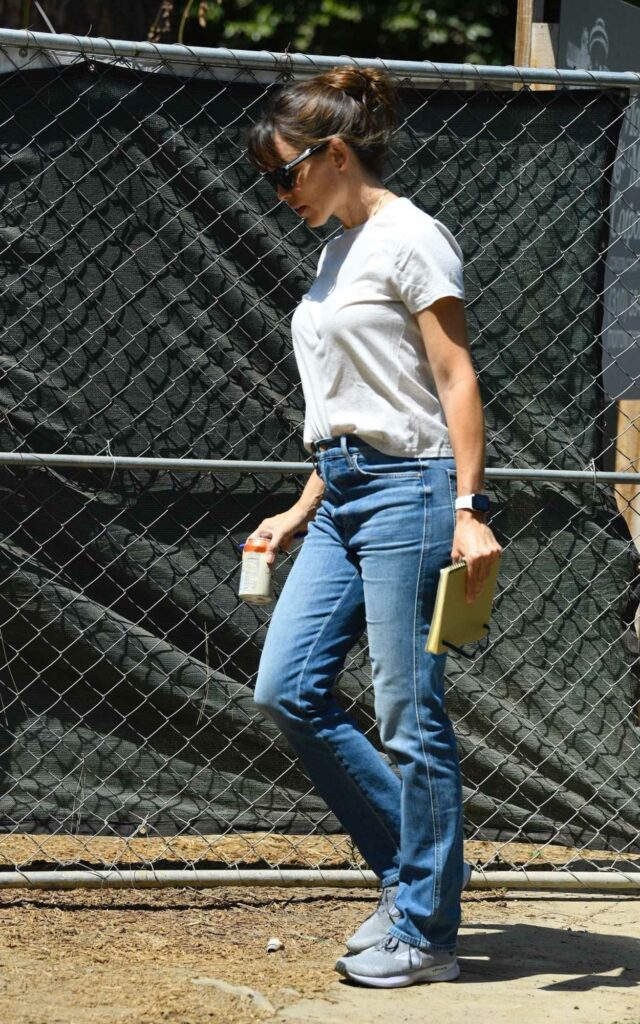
{"x":362,"y":84}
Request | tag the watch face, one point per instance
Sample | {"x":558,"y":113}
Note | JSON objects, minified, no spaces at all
{"x":480,"y":502}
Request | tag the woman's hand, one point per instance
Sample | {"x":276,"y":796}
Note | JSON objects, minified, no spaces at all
{"x":474,"y":542}
{"x":279,"y":531}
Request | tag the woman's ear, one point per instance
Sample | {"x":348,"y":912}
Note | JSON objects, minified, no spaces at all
{"x":338,"y":152}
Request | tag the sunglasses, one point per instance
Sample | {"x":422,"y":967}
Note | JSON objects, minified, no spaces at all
{"x":283,"y":176}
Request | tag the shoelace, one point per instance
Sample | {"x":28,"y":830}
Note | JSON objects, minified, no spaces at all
{"x":389,"y":943}
{"x":387,"y":899}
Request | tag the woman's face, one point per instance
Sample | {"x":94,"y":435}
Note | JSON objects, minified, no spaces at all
{"x":318,"y":184}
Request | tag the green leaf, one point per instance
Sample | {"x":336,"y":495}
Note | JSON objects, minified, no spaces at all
{"x":344,"y":12}
{"x":401,"y":23}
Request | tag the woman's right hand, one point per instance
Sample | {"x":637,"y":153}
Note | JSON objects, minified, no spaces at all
{"x":279,"y":531}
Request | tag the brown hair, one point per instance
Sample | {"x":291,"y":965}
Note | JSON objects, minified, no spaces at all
{"x":357,"y":104}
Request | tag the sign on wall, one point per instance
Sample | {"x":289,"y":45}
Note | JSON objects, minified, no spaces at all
{"x":603,"y":35}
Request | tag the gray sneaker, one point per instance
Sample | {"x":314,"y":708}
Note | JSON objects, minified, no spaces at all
{"x":377,"y":924}
{"x":392,"y":963}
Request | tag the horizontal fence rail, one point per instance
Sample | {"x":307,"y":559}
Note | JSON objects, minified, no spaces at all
{"x":411,"y":72}
{"x":152,"y":417}
{"x":111,"y":462}
{"x":583,"y":881}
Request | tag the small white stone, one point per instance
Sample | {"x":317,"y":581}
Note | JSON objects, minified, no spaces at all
{"x":274,"y":944}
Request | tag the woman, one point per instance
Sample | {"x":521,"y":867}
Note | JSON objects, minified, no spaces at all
{"x":382,"y":349}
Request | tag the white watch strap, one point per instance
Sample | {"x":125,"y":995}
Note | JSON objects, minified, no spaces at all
{"x":464,"y":502}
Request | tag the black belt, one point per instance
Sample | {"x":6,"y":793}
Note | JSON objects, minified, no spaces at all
{"x":353,"y":441}
{"x":324,"y":443}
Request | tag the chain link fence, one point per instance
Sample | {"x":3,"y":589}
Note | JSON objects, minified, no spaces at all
{"x":152,"y":416}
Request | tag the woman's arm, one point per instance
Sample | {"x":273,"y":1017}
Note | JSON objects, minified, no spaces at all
{"x":279,"y":530}
{"x":444,"y":332}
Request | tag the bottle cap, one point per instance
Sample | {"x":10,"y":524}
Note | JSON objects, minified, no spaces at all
{"x":255,"y":545}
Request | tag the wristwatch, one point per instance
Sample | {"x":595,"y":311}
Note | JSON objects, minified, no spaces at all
{"x":475,"y":502}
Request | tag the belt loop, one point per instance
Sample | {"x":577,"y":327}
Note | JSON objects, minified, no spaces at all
{"x":345,"y":451}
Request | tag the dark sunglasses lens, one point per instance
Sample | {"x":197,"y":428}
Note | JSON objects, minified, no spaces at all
{"x":286,"y":179}
{"x":280,"y":177}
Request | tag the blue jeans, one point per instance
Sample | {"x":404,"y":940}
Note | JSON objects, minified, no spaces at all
{"x":372,"y":557}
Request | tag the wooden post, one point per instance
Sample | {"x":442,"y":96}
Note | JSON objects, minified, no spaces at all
{"x":536,"y":41}
{"x":627,"y":447}
{"x":544,"y":51}
{"x":524,"y":19}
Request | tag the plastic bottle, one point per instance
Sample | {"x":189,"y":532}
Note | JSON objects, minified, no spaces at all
{"x":255,"y":578}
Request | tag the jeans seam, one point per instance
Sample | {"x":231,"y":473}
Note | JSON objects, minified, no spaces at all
{"x":416,"y":642}
{"x":319,"y":735}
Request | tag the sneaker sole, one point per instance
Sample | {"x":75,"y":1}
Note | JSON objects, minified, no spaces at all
{"x":430,"y":974}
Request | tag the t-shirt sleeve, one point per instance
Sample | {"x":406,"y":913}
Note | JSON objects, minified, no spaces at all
{"x":428,"y":266}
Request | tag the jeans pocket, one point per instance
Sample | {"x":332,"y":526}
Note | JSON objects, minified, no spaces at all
{"x":386,"y":466}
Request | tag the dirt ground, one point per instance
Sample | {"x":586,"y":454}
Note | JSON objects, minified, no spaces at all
{"x":199,"y":956}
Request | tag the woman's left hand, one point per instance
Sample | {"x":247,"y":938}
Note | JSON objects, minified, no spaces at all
{"x":474,"y":542}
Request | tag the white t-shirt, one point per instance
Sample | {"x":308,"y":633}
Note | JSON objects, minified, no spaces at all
{"x":356,"y":339}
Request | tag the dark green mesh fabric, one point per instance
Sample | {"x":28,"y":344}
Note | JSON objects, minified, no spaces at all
{"x":147,"y":285}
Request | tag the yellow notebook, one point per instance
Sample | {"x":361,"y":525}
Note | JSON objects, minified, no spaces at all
{"x":454,"y":621}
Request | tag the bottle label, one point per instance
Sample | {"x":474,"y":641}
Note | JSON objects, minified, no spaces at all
{"x":255,"y":578}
